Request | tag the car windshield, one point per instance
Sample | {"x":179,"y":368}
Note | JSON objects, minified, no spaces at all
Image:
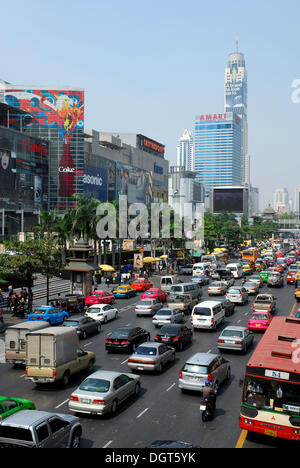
{"x":263,"y":299}
{"x":39,"y":311}
{"x":202,"y":311}
{"x":146,"y":351}
{"x":121,"y":333}
{"x":271,"y":394}
{"x":195,"y":369}
{"x":95,"y":385}
{"x":164,"y":312}
{"x":146,"y":302}
{"x":259,"y":317}
{"x":232,"y":334}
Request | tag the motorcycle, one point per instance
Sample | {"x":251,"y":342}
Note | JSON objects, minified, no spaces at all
{"x":19,"y":311}
{"x":207,"y":410}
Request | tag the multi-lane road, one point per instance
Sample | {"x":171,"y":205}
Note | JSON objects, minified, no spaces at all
{"x":161,"y":411}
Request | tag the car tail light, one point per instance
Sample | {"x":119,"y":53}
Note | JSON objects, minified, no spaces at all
{"x":108,"y":341}
{"x":156,"y":337}
{"x":26,"y":372}
{"x":26,"y":316}
{"x":180,"y":374}
{"x":74,"y":398}
{"x":98,"y":402}
{"x":54,"y":373}
{"x":175,"y":338}
{"x":221,"y":341}
{"x":192,"y":318}
{"x":125,"y":342}
{"x":154,"y":318}
{"x":210,"y":378}
{"x":237,"y":342}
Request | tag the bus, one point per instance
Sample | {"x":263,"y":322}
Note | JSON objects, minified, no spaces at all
{"x":271,"y":387}
{"x":251,"y":255}
{"x":215,"y":257}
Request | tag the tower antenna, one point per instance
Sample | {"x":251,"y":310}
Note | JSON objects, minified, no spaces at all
{"x":237,"y":43}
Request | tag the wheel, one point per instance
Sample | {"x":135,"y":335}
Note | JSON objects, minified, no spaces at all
{"x":99,"y":328}
{"x":180,"y":346}
{"x":66,"y":378}
{"x":91,"y":365}
{"x":114,"y":406}
{"x":159,"y":370}
{"x":204,"y":416}
{"x":105,"y":319}
{"x":84,"y":335}
{"x":133,"y":347}
{"x":117,"y":315}
{"x":137,"y":389}
{"x":229,"y":373}
{"x":75,"y":442}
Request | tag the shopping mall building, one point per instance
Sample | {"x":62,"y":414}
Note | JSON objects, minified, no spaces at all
{"x":62,"y":159}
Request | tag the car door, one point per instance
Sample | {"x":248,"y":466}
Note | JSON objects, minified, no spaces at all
{"x":163,"y":354}
{"x":82,"y":359}
{"x":222,"y":370}
{"x":140,"y":336}
{"x":43,"y":436}
{"x":109,"y":312}
{"x":91,"y":325}
{"x":120,"y":390}
{"x":59,"y":432}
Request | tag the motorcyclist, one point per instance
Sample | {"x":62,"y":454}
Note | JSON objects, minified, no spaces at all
{"x":209,"y":394}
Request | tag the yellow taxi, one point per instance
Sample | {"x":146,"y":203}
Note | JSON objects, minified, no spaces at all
{"x":124,"y":291}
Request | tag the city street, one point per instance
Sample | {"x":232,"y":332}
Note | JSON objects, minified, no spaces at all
{"x":161,"y":411}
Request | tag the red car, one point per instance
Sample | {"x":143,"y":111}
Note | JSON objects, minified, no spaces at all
{"x":259,"y":320}
{"x":155,"y":293}
{"x":100,"y":297}
{"x":291,"y":277}
{"x":141,"y":284}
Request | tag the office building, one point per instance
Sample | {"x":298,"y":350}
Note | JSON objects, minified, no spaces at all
{"x":281,"y":201}
{"x":218,"y":150}
{"x":297,"y":201}
{"x":185,"y":150}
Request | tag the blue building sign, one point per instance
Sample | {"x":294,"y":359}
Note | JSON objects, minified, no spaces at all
{"x":95,"y":182}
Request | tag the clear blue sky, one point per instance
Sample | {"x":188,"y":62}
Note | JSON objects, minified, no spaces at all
{"x":150,"y":67}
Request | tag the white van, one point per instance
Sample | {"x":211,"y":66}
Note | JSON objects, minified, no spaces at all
{"x":207,"y":315}
{"x":166,"y":282}
{"x":199,"y":268}
{"x":236,"y":270}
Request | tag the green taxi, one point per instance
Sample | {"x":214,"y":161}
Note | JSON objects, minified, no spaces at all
{"x":9,"y":406}
{"x":264,"y":276}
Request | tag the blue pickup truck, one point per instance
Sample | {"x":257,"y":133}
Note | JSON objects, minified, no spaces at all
{"x":49,"y":314}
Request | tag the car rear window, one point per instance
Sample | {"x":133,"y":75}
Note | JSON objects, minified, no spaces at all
{"x":232,"y":333}
{"x":146,"y":302}
{"x":95,"y":385}
{"x":202,"y":311}
{"x":15,"y":433}
{"x":38,"y":311}
{"x":94,"y":311}
{"x":234,"y":291}
{"x":146,"y":351}
{"x":259,"y":317}
{"x":121,"y":333}
{"x":176,"y":288}
{"x":164,"y":312}
{"x":195,"y":369}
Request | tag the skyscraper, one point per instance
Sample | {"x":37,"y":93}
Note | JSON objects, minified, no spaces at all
{"x":281,"y":201}
{"x":297,"y":201}
{"x":185,"y":150}
{"x":236,"y":91}
{"x":217,"y":150}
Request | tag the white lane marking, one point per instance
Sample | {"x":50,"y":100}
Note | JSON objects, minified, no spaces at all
{"x":124,"y":361}
{"x":63,"y":403}
{"x":208,"y":352}
{"x":88,"y":344}
{"x":171,"y":387}
{"x":127,"y":324}
{"x":143,"y":412}
{"x":21,"y":376}
{"x":239,"y":321}
{"x":108,"y":334}
{"x":108,"y":444}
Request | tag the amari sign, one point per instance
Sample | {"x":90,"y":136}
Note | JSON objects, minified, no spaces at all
{"x":95,"y":182}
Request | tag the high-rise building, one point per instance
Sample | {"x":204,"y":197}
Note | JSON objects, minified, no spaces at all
{"x":281,"y":201}
{"x":297,"y":201}
{"x":218,"y":150}
{"x":236,"y":101}
{"x":185,"y":151}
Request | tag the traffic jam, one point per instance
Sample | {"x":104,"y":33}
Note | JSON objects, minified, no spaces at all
{"x":216,"y":342}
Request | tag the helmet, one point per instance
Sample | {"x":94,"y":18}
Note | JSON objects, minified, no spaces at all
{"x":207,"y":383}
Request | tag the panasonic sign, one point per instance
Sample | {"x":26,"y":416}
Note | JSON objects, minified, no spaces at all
{"x":95,"y":182}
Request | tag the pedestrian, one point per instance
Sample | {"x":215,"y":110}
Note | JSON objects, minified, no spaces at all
{"x":10,"y":290}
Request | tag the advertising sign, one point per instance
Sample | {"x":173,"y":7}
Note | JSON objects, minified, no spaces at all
{"x":138,"y":260}
{"x":95,"y":182}
{"x":135,"y":183}
{"x":128,"y":244}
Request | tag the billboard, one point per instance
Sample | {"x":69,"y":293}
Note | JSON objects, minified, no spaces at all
{"x":228,"y":199}
{"x":95,"y":182}
{"x":135,"y":183}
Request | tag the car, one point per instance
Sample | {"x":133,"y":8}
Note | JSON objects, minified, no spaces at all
{"x":217,"y":288}
{"x":40,"y":429}
{"x":279,"y":268}
{"x":237,"y":294}
{"x":202,"y":367}
{"x":103,"y":391}
{"x":167,"y":315}
{"x":291,"y":277}
{"x":183,"y":302}
{"x":275,"y":281}
{"x":148,"y":307}
{"x":84,"y":326}
{"x":247,"y":270}
{"x":9,"y":406}
{"x":49,"y":314}
{"x":259,"y":320}
{"x":251,"y":288}
{"x":187,"y":269}
{"x":255,"y":279}
{"x":203,"y":280}
{"x":235,"y":339}
{"x":102,"y":312}
{"x":151,"y":357}
{"x":174,"y":335}
{"x":141,"y":284}
{"x":266,"y":302}
{"x":264,"y":276}
{"x":228,"y":306}
{"x":155,"y":293}
{"x":100,"y":297}
{"x":124,"y":292}
{"x":126,"y":339}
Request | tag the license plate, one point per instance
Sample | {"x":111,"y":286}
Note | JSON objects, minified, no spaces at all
{"x":202,"y":408}
{"x":271,"y":433}
{"x":140,"y":368}
{"x":228,"y":342}
{"x":257,"y":325}
{"x":85,"y":400}
{"x":41,"y":379}
{"x":165,"y":339}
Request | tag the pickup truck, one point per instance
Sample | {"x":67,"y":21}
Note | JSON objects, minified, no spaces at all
{"x":53,"y":354}
{"x":187,"y":269}
{"x":265,"y":302}
{"x":183,"y":302}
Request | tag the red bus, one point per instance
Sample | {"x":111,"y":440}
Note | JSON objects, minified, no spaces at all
{"x":271,"y":389}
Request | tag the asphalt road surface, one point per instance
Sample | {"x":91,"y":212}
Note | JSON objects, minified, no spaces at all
{"x":161,"y":411}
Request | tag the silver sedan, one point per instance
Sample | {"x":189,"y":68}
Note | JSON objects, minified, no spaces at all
{"x":251,"y":288}
{"x":102,"y":392}
{"x":165,"y":316}
{"x":217,"y":289}
{"x":151,"y":357}
{"x":235,"y":339}
{"x":148,"y":307}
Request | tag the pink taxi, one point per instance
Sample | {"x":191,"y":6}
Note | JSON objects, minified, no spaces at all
{"x":259,"y":320}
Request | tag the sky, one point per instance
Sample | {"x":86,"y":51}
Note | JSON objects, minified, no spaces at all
{"x":151,"y":67}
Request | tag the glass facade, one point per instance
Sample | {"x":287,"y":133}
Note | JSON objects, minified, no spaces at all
{"x":218,"y":152}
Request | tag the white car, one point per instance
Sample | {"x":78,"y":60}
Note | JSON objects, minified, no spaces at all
{"x":102,"y":312}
